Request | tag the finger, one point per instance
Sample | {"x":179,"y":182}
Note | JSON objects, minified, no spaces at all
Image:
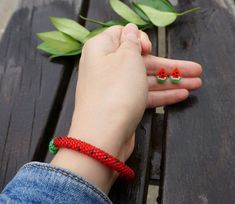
{"x":146,"y":44}
{"x":104,"y":43}
{"x":130,"y":39}
{"x":163,"y":98}
{"x":185,"y":83}
{"x":187,"y":68}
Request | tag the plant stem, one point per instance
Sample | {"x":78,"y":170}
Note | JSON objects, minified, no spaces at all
{"x":93,"y":21}
{"x":189,"y":11}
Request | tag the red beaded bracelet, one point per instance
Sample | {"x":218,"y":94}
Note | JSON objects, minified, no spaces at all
{"x":91,"y":151}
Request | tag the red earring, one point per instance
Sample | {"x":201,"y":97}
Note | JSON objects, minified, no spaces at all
{"x":161,"y":76}
{"x":175,"y":76}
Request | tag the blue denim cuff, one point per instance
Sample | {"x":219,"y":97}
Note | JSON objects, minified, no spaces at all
{"x":43,"y":183}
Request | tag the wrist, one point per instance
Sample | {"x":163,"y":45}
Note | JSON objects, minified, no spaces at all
{"x":90,"y":169}
{"x":105,"y":137}
{"x":105,"y":133}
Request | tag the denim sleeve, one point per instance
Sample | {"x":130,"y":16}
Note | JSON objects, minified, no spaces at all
{"x":42,"y":183}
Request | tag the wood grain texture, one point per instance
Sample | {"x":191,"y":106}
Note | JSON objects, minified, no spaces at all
{"x":158,"y":133}
{"x":200,"y":139}
{"x":31,"y":87}
{"x":135,"y":192}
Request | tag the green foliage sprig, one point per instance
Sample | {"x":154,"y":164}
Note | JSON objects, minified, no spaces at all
{"x":71,"y":36}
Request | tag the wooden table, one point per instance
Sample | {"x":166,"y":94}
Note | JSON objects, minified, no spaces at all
{"x":193,"y":141}
{"x":199,"y":150}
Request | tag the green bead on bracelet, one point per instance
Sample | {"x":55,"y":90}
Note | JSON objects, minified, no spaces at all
{"x":52,"y":148}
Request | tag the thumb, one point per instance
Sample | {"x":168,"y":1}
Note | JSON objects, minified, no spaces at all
{"x":130,"y":39}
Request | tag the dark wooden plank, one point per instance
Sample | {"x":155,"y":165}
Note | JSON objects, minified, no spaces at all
{"x":122,"y":192}
{"x":200,"y":142}
{"x":158,"y":133}
{"x":31,"y":87}
{"x":136,"y":191}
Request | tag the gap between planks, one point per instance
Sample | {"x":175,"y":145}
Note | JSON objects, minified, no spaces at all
{"x":161,"y":53}
{"x":41,"y":151}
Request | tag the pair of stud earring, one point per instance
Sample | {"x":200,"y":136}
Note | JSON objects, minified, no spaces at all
{"x":175,"y":76}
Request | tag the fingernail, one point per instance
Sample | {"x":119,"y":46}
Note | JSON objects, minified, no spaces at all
{"x":131,"y":32}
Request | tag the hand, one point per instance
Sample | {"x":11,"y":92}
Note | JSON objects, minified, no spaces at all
{"x":112,"y":87}
{"x":112,"y":90}
{"x":115,"y":85}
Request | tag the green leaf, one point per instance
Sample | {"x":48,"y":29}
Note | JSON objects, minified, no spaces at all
{"x":139,"y":12}
{"x":59,"y":41}
{"x":95,"y":32}
{"x":93,"y":20}
{"x":162,"y":5}
{"x":70,"y":27}
{"x":157,"y":17}
{"x":45,"y":48}
{"x":76,"y":52}
{"x":116,"y":22}
{"x":106,"y":24}
{"x":125,"y":12}
{"x":170,"y":6}
{"x":55,"y":53}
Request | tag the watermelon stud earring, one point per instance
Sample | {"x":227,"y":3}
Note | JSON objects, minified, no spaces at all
{"x":175,"y":76}
{"x":161,"y":76}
